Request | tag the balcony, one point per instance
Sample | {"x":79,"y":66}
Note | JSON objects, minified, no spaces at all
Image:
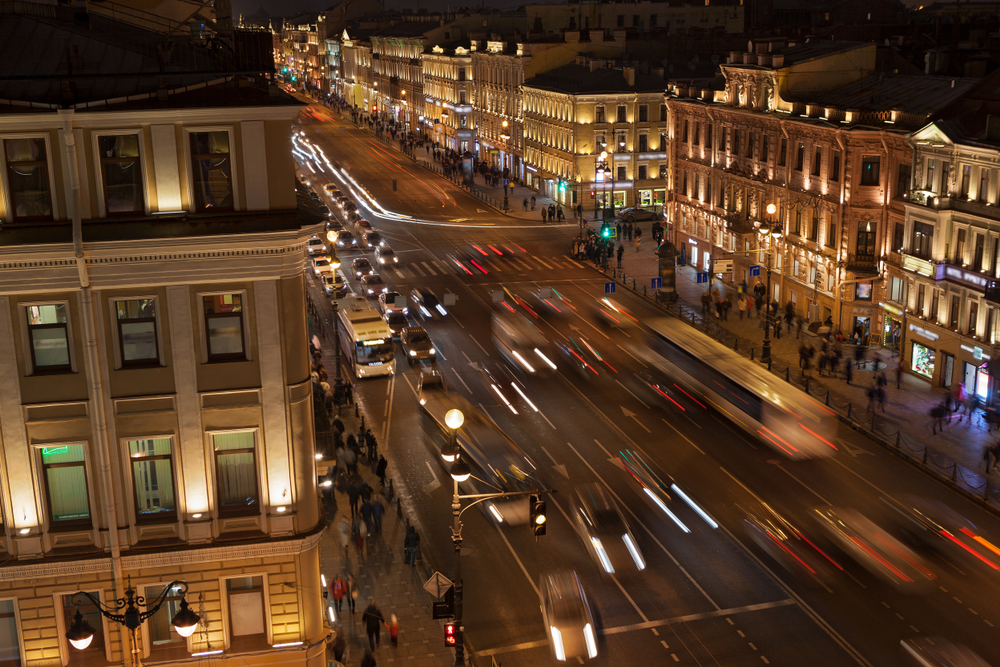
{"x":739,"y":224}
{"x":924,"y":267}
{"x":862,"y":264}
{"x":953,"y":203}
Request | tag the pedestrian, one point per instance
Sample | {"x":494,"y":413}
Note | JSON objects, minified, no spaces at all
{"x":638,"y":240}
{"x":803,"y":355}
{"x":344,"y":533}
{"x":618,"y":230}
{"x":378,"y":510}
{"x":532,"y":203}
{"x":579,"y":212}
{"x":358,"y":530}
{"x":351,"y":592}
{"x":958,"y":396}
{"x":380,"y":469}
{"x":750,"y":303}
{"x":525,"y":203}
{"x":366,"y":516}
{"x":412,"y":545}
{"x":373,"y":624}
{"x":339,"y":644}
{"x":743,"y":306}
{"x":706,"y":301}
{"x":545,"y":214}
{"x":348,"y":394}
{"x":337,"y":592}
{"x":848,"y":370}
{"x":393,"y":627}
{"x":899,"y":375}
{"x":354,"y":495}
{"x":798,"y":329}
{"x":621,"y":251}
{"x":859,"y":356}
{"x":552,"y":212}
{"x":938,"y":414}
{"x":880,"y":396}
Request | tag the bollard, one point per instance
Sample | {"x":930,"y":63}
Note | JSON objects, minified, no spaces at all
{"x":769,"y":364}
{"x":924,"y":461}
{"x":986,"y":491}
{"x":850,"y":411}
{"x":873,"y":422}
{"x":751,"y":353}
{"x":643,"y":290}
{"x":827,"y":397}
{"x":788,"y":374}
{"x":807,"y":384}
{"x":636,"y":288}
{"x":736,"y":345}
{"x":954,"y":472}
{"x":357,"y":412}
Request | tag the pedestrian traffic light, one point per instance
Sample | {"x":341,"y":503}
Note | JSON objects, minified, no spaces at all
{"x":593,"y":193}
{"x":606,"y":230}
{"x":375,"y":108}
{"x":562,"y":186}
{"x":536,"y":509}
{"x":450,"y":634}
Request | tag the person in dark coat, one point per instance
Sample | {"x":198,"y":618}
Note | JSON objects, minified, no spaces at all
{"x":373,"y":624}
{"x":354,"y":495}
{"x":366,"y":515}
{"x":380,"y":469}
{"x":411,"y":543}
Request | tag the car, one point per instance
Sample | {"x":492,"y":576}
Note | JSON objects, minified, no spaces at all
{"x":332,"y":189}
{"x":342,"y":200}
{"x":325,"y":210}
{"x":313,"y":195}
{"x":789,"y":546}
{"x":613,"y":314}
{"x":353,"y":216}
{"x":638,"y":214}
{"x":417,"y":345}
{"x":334,"y":285}
{"x":387,"y":302}
{"x":397,"y":322}
{"x":603,"y":529}
{"x":550,"y":302}
{"x":316,"y":246}
{"x":364,"y":225}
{"x":362,"y":267}
{"x":349,"y":207}
{"x":939,"y":652}
{"x":371,"y":239}
{"x":345,"y":239}
{"x":426,"y":303}
{"x":321,"y":265}
{"x":334,"y":225}
{"x":568,"y":620}
{"x":373,"y":285}
{"x":386,"y":255}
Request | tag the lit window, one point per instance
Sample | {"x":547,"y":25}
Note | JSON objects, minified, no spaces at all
{"x":65,"y":476}
{"x":152,"y":473}
{"x":236,"y":473}
{"x":10,"y":640}
{"x":121,"y":174}
{"x":224,"y":327}
{"x":28,"y":179}
{"x":212,"y":169}
{"x":49,"y":337}
{"x":137,"y":331}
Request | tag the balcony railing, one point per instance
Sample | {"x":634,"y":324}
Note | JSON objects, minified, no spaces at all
{"x":738,"y":224}
{"x":861,"y":263}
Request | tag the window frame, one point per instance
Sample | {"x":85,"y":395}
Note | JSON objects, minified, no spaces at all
{"x":102,"y":210}
{"x":227,"y":611}
{"x":863,"y":181}
{"x":817,"y":164}
{"x":147,"y":641}
{"x":261,"y":507}
{"x":126,"y":452}
{"x":17,"y":627}
{"x":5,"y":181}
{"x":800,"y":153}
{"x":643,"y":113}
{"x":206,"y":358}
{"x":621,"y":114}
{"x":118,"y":343}
{"x":76,"y":525}
{"x":234,"y":176}
{"x":29,"y":356}
{"x":66,"y":651}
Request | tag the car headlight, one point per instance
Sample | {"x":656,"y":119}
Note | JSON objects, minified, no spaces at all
{"x":634,"y":550}
{"x":557,"y":643}
{"x":588,"y":636}
{"x":413,"y":353}
{"x":432,"y":352}
{"x":602,"y":555}
{"x":381,"y":260}
{"x":395,"y":259}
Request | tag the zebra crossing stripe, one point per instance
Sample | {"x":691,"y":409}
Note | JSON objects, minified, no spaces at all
{"x":429,"y":269}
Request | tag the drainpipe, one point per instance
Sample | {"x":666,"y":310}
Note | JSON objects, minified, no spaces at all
{"x":839,"y":305}
{"x":92,"y":364}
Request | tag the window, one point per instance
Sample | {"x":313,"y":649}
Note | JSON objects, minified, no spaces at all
{"x":137,"y":331}
{"x":642,"y":172}
{"x":663,"y":113}
{"x":984,"y":184}
{"x":935,"y":304}
{"x":663,"y":171}
{"x":993,"y":257}
{"x":621,"y":20}
{"x":783,"y":153}
{"x":834,"y":166}
{"x":817,"y":160}
{"x":765,"y":144}
{"x":973,"y":319}
{"x":621,"y":113}
{"x":750,"y":140}
{"x":643,"y":113}
{"x":929,"y":175}
{"x":797,"y":230}
{"x":870,"y":170}
{"x":956,"y":309}
{"x":863,"y":291}
{"x":121,"y":174}
{"x":48,"y":336}
{"x":28,"y":179}
{"x":461,"y":97}
{"x":921,"y":296}
{"x":599,"y":115}
{"x":212,"y":170}
{"x":463,"y":121}
{"x":902,"y":180}
{"x":708,"y":190}
{"x":923,"y":238}
{"x":652,"y":20}
{"x":813,"y":226}
{"x":722,"y":139}
{"x":697,"y":134}
{"x":898,"y":231}
{"x":461,"y":74}
{"x":865,"y":242}
{"x":663,"y":142}
{"x":684,"y":188}
{"x":10,"y":639}
{"x":236,"y":473}
{"x":635,"y":20}
{"x":960,"y":247}
{"x":65,"y":476}
{"x":735,"y":141}
{"x":977,"y":256}
{"x":224,"y":327}
{"x":643,"y":143}
{"x":152,"y":474}
{"x":708,"y":135}
{"x":966,"y":179}
{"x":684,"y":137}
{"x":831,"y":234}
{"x":621,"y":173}
{"x":94,"y":653}
{"x":162,"y":640}
{"x":896,"y":289}
{"x":247,"y":621}
{"x":800,"y":154}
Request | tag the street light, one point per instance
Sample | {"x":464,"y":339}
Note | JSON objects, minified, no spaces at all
{"x":600,"y":168}
{"x":459,"y":473}
{"x":772,"y":231}
{"x":338,"y":381}
{"x":506,"y":149}
{"x":81,"y":633}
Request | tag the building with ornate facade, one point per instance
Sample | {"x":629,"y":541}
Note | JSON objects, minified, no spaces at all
{"x":813,"y":130}
{"x":156,"y":418}
{"x":575,"y":113}
{"x":447,"y":106}
{"x":357,"y":81}
{"x":669,"y":17}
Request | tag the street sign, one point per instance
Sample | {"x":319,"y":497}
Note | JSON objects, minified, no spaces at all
{"x":438,"y":585}
{"x":609,"y":288}
{"x":703,"y":276}
{"x":755,"y":270}
{"x":723,"y":266}
{"x":449,"y":298}
{"x":506,"y":181}
{"x":446,"y":607}
{"x":657,"y":283}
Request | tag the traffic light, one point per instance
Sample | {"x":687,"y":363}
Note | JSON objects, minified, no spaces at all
{"x":562,"y":186}
{"x":538,"y":518}
{"x":606,"y":230}
{"x":375,"y":109}
{"x":593,"y":193}
{"x":450,"y":634}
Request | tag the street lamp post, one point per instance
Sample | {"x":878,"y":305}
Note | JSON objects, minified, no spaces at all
{"x":504,"y":172}
{"x":126,"y":611}
{"x":338,"y":381}
{"x":601,"y":170}
{"x":772,"y":230}
{"x":459,"y":473}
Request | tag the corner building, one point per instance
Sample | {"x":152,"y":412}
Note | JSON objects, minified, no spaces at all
{"x":155,"y":397}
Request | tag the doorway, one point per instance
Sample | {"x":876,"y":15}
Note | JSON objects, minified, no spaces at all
{"x":947,"y":369}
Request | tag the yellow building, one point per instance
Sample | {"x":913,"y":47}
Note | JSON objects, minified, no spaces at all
{"x":155,"y":398}
{"x":447,"y":106}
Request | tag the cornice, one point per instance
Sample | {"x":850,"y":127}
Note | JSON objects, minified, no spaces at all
{"x":108,"y":117}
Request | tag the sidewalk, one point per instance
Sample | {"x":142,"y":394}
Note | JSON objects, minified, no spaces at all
{"x":907,"y":408}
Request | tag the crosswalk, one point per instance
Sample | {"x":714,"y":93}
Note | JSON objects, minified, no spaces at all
{"x":508,"y":265}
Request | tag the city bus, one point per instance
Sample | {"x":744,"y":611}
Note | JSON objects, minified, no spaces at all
{"x":365,"y":338}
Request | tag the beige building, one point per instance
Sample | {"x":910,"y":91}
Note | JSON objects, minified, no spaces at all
{"x":668,"y":17}
{"x":447,"y":110}
{"x":156,"y":418}
{"x":575,"y":113}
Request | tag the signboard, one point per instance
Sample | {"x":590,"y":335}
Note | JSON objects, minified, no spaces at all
{"x":438,"y":585}
{"x":609,"y":288}
{"x":449,"y":298}
{"x":723,"y":266}
{"x":702,"y":277}
{"x":444,"y":608}
{"x":656,"y":283}
{"x":755,"y":270}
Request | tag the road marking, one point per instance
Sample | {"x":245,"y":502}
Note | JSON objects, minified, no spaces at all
{"x":812,"y":490}
{"x":633,"y":356}
{"x":547,"y":420}
{"x":388,"y":411}
{"x":480,"y":347}
{"x":629,"y":414}
{"x":690,"y":442}
{"x":467,"y":357}
{"x":560,"y":468}
{"x":439,"y":265}
{"x":457,"y":321}
{"x":633,"y":395}
{"x":656,"y":632}
{"x":399,"y":271}
{"x":462,"y":380}
{"x":674,"y":656}
{"x":418,"y":269}
{"x":740,"y":633}
{"x":514,"y":554}
{"x":543,"y":263}
{"x":914,"y":628}
{"x":574,"y":262}
{"x":434,"y":484}
{"x":429,"y":269}
{"x":984,"y":621}
{"x":766,"y":661}
{"x":752,"y":646}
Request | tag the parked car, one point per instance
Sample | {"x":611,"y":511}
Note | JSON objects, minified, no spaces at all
{"x":362,"y":267}
{"x":321,"y":265}
{"x":373,"y":285}
{"x":386,"y":255}
{"x":417,"y":345}
{"x":638,"y":214}
{"x":316,"y":246}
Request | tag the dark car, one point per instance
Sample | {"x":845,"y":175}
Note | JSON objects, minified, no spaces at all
{"x":362,"y":267}
{"x":345,"y":239}
{"x":427,"y":304}
{"x":637,"y":214}
{"x":603,"y":530}
{"x":397,"y":322}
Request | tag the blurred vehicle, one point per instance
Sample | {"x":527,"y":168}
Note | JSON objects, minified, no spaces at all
{"x":872,"y":547}
{"x":362,"y":267}
{"x":363,"y":226}
{"x":613,"y":314}
{"x":938,"y":652}
{"x":313,"y":195}
{"x":934,"y":524}
{"x":342,"y":200}
{"x":549,"y":301}
{"x":575,"y":358}
{"x":386,"y":255}
{"x":387,"y":302}
{"x":521,"y":343}
{"x":656,"y":487}
{"x":498,"y":464}
{"x":788,"y":545}
{"x":350,"y":208}
{"x":603,"y":529}
{"x":638,"y":214}
{"x":365,"y":338}
{"x":397,"y":322}
{"x":325,"y":210}
{"x":372,"y":285}
{"x":371,"y":239}
{"x":496,"y":386}
{"x":331,"y":189}
{"x":321,"y":265}
{"x":334,"y":285}
{"x":334,"y":224}
{"x":426,"y":303}
{"x":417,"y":345}
{"x":467,"y":263}
{"x":567,"y":616}
{"x":764,"y":406}
{"x":346,"y":240}
{"x":316,"y":246}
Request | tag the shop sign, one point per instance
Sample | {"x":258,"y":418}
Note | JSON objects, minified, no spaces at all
{"x":924,"y":333}
{"x":890,"y":308}
{"x":960,"y":275}
{"x":977,"y":352}
{"x":533,"y":170}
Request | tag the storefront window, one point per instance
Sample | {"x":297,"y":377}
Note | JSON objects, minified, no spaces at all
{"x":922,"y":360}
{"x":864,"y":292}
{"x":982,"y":382}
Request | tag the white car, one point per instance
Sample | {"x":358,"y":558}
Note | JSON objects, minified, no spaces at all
{"x":334,"y":285}
{"x":373,"y":285}
{"x":387,"y":303}
{"x":567,"y":616}
{"x":316,"y":246}
{"x":386,"y":256}
{"x":321,"y":265}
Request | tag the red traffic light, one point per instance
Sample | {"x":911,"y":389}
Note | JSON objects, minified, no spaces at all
{"x":450,"y":634}
{"x":375,"y":109}
{"x":593,"y":193}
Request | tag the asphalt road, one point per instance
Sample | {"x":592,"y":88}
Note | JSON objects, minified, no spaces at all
{"x":710,"y":597}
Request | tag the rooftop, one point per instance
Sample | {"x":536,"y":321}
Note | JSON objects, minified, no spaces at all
{"x":919,"y":95}
{"x":579,"y":79}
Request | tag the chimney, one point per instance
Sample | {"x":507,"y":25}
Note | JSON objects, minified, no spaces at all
{"x":629,"y":73}
{"x":993,"y":128}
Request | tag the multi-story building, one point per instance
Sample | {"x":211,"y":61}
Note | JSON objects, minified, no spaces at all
{"x":397,"y":72}
{"x":156,"y":418}
{"x":575,"y":113}
{"x":811,"y":129}
{"x":447,"y":104}
{"x":358,"y":82}
{"x":303,"y":64}
{"x":669,"y":17}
